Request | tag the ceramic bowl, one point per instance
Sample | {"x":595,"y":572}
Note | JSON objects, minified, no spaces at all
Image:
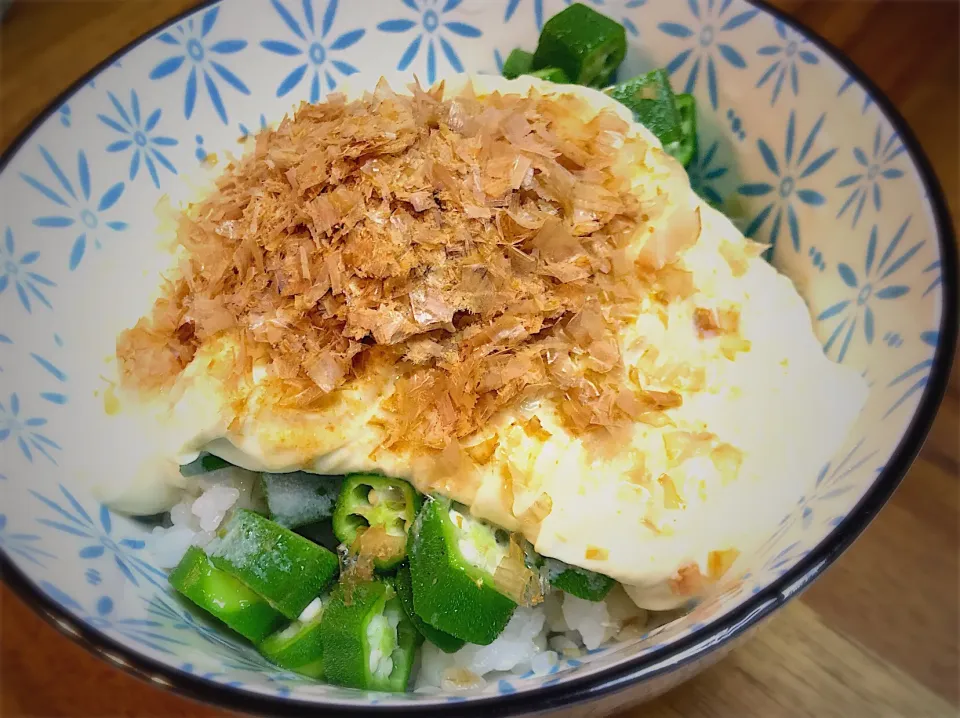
{"x":795,"y":144}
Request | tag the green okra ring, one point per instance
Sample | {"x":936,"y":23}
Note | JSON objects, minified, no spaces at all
{"x":288,"y":570}
{"x":368,"y":642}
{"x":586,"y":45}
{"x":297,"y":648}
{"x":373,"y":515}
{"x":450,"y":592}
{"x":224,"y":596}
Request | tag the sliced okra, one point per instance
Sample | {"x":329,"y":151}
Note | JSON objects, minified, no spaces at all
{"x":579,"y":582}
{"x":373,"y":515}
{"x":286,"y":569}
{"x":453,"y":561}
{"x":203,"y":464}
{"x":368,"y":641}
{"x":444,"y":641}
{"x":684,"y":148}
{"x":299,"y":646}
{"x":586,"y":45}
{"x":518,"y":62}
{"x":653,"y":104}
{"x":224,"y":596}
{"x":551,"y":74}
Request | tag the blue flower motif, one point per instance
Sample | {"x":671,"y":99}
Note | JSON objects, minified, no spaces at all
{"x":783,"y":561}
{"x":93,"y":576}
{"x":919,"y":373}
{"x":706,"y":34}
{"x":4,"y":339}
{"x":245,"y":131}
{"x":893,"y":340}
{"x":847,"y":84}
{"x":140,"y":630}
{"x":790,"y":171}
{"x":430,"y":26}
{"x":874,"y":169}
{"x":736,"y":124}
{"x":933,"y":270}
{"x":138,"y":138}
{"x":195,"y":52}
{"x":704,"y":172}
{"x":816,"y":258}
{"x":831,"y":484}
{"x":877,"y":282}
{"x":625,"y":20}
{"x":512,"y":6}
{"x":200,"y":153}
{"x":54,"y":397}
{"x":787,"y":58}
{"x":312,"y":48}
{"x":24,"y":431}
{"x":81,"y":211}
{"x":182,"y":620}
{"x":100,"y":539}
{"x":64,"y":113}
{"x":23,"y":545}
{"x":252,"y":662}
{"x":208,"y":675}
{"x":18,"y":272}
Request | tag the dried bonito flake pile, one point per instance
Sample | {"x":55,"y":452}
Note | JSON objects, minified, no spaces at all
{"x":483,"y":248}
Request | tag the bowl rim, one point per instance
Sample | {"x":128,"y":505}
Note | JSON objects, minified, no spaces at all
{"x":657,"y":662}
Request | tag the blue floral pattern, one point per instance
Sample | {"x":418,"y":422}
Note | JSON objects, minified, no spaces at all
{"x":17,"y":271}
{"x":314,"y":52}
{"x":430,"y":28}
{"x":831,"y":484}
{"x":704,"y":171}
{"x":167,"y":610}
{"x":512,"y":6}
{"x":873,"y":170}
{"x":138,"y":137}
{"x":848,"y":82}
{"x":246,"y":131}
{"x":96,"y":163}
{"x":208,"y":675}
{"x":602,"y":6}
{"x":935,"y":276}
{"x":707,"y":33}
{"x":139,"y":630}
{"x":793,"y":172}
{"x":23,"y":545}
{"x":80,"y":211}
{"x":97,"y":539}
{"x":915,"y":378}
{"x":788,"y":56}
{"x":877,"y":282}
{"x":195,"y":52}
{"x":54,"y":397}
{"x":24,"y":431}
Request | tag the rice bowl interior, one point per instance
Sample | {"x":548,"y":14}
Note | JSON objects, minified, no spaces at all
{"x":634,"y":347}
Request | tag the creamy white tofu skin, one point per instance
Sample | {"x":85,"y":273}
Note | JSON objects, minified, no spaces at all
{"x":664,"y":509}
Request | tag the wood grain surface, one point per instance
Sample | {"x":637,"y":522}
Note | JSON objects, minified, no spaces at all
{"x":876,"y":636}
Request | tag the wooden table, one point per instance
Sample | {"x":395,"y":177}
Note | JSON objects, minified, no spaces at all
{"x":876,"y":636}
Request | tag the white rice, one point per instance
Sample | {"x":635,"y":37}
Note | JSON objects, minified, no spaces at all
{"x":535,"y":639}
{"x":206,"y":502}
